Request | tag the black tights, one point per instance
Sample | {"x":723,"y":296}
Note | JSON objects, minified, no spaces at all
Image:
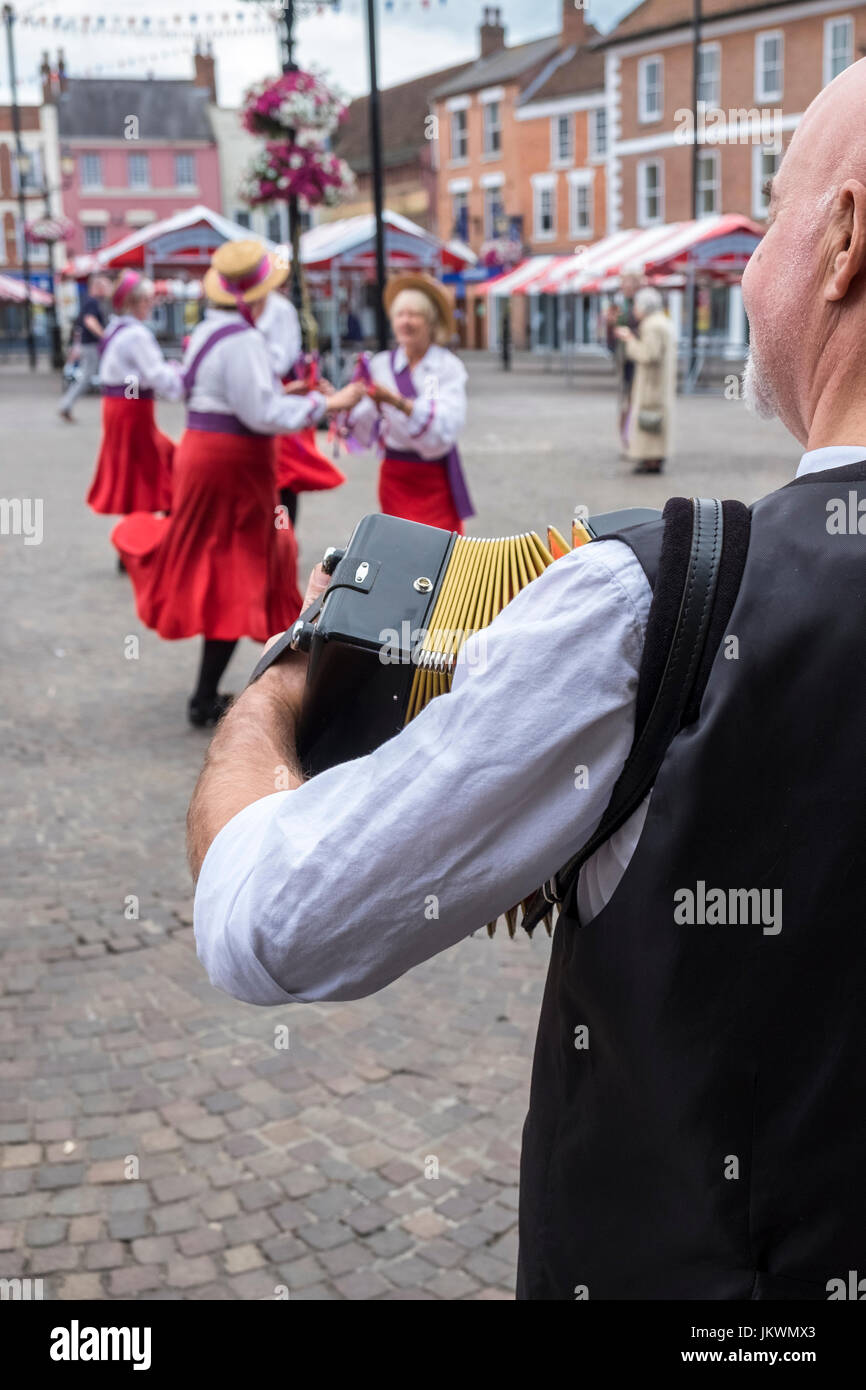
{"x":215,"y":657}
{"x":289,"y":500}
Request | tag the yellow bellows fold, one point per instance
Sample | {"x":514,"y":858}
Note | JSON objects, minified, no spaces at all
{"x":481,"y":578}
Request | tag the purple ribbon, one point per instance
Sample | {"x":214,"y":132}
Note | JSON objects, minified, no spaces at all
{"x":214,"y":422}
{"x":107,"y":337}
{"x":227,"y":331}
{"x":453,"y":463}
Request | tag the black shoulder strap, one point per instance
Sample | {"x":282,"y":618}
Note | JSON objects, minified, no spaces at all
{"x":695,"y":533}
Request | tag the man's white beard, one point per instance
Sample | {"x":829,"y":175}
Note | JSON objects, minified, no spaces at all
{"x":758,"y":391}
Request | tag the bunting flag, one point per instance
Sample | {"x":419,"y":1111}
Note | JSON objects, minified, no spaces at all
{"x":210,"y":25}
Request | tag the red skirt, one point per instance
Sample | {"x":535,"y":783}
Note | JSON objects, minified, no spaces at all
{"x":302,"y":466}
{"x":223,"y":564}
{"x":418,"y":492}
{"x":133,"y":471}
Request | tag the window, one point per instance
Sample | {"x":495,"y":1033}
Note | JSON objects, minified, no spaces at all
{"x":650,"y":83}
{"x":460,"y":215}
{"x":138,"y":166}
{"x":709,"y":74}
{"x":650,"y":193}
{"x":598,"y":132}
{"x":580,"y":203}
{"x":708,"y":183}
{"x":765,"y":163}
{"x":91,"y":171}
{"x":459,"y":135}
{"x":769,"y":61}
{"x":274,"y":228}
{"x":494,"y":213}
{"x":838,"y":46}
{"x":492,"y":128}
{"x":562,"y":139}
{"x":243,"y":218}
{"x":94,"y":237}
{"x":184,"y":171}
{"x":544,"y":209}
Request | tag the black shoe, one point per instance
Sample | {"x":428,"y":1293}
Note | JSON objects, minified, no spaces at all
{"x":121,"y":567}
{"x":204,"y":716}
{"x":648,"y":467}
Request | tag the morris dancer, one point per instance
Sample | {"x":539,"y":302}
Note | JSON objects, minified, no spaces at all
{"x":416,"y":408}
{"x":221,"y":565}
{"x":301,"y":466}
{"x":133,"y":470}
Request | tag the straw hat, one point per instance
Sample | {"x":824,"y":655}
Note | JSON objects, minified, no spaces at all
{"x":242,"y":271}
{"x":436,"y":293}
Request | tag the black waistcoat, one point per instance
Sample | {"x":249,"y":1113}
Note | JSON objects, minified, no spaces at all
{"x":697,"y":1121}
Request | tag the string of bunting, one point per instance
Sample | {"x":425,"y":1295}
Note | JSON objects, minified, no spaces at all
{"x":217,"y":24}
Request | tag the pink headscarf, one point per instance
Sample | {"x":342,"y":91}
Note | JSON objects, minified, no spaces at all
{"x":125,"y":285}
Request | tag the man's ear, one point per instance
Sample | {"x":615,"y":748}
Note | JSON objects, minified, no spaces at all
{"x":849,"y":231}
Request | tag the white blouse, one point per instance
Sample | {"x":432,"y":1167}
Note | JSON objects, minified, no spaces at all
{"x":237,"y":378}
{"x":281,"y":328}
{"x":133,"y":357}
{"x":438,"y":413}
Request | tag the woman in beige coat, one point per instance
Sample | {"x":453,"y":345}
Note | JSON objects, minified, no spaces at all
{"x":654,"y":350}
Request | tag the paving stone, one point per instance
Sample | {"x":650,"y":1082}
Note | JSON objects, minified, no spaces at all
{"x":45,"y":1231}
{"x":323,"y":1235}
{"x":54,"y":1257}
{"x":242,"y":1258}
{"x":134,"y":1279}
{"x":52,"y":1175}
{"x":301,"y":1272}
{"x":183,"y":1274}
{"x":104,"y":1254}
{"x":153,"y":1250}
{"x":363,"y":1285}
{"x":201,"y":1241}
{"x":128,"y":1225}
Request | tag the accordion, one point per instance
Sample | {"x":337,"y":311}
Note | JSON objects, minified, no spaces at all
{"x":384,"y":638}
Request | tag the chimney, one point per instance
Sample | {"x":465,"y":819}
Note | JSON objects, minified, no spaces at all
{"x":492,"y":31}
{"x":205,"y":70}
{"x":62,"y":80}
{"x":576,"y":28}
{"x":47,"y":84}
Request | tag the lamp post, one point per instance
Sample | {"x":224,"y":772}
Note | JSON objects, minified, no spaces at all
{"x":696,"y":86}
{"x":291,"y":10}
{"x":22,"y":163}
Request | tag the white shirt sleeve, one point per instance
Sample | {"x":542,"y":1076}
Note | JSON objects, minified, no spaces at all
{"x":439,"y":412}
{"x":251,"y":393}
{"x":281,"y":329}
{"x":155,"y":372}
{"x":335,"y":889}
{"x":362,"y":421}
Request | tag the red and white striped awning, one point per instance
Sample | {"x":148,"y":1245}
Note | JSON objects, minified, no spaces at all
{"x":717,"y":245}
{"x":16,"y":290}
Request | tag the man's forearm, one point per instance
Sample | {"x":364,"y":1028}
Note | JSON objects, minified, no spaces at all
{"x":252,"y":755}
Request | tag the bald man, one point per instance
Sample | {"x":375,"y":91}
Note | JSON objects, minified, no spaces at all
{"x":696,"y":1122}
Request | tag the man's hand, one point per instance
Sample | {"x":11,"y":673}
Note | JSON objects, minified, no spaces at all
{"x":253,"y":752}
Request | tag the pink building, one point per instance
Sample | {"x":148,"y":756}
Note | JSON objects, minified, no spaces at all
{"x":133,"y":150}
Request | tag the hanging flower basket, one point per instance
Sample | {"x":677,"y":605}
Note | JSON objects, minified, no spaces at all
{"x":300,"y":170}
{"x":44,"y":231}
{"x":295,"y":101}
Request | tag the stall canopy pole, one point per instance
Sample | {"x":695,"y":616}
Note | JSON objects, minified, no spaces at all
{"x":335,"y":322}
{"x":691,"y":374}
{"x":20,"y":160}
{"x":378,"y":192}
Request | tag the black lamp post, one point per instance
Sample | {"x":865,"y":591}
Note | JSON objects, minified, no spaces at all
{"x":22,"y":165}
{"x":291,"y":10}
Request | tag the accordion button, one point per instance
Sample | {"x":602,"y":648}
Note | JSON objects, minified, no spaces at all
{"x":302,"y":636}
{"x":332,"y":557}
{"x":423,"y":584}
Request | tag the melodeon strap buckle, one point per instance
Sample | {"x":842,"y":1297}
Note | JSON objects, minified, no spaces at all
{"x":550,"y":891}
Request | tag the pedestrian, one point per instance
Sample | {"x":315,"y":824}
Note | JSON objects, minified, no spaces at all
{"x":133,"y":470}
{"x":415,"y":408}
{"x":301,"y":466}
{"x":653,"y":350}
{"x":695,"y":1127}
{"x":89,"y":328}
{"x":622,"y":315}
{"x":222,"y":565}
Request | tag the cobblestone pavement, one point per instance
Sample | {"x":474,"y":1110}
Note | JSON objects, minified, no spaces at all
{"x":158,"y":1139}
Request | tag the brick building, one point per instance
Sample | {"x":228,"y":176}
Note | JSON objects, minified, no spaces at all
{"x":761,"y":64}
{"x":138,"y":150}
{"x":407,"y":149}
{"x":521,"y":147}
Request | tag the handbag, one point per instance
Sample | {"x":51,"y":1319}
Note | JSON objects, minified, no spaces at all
{"x":650,"y":421}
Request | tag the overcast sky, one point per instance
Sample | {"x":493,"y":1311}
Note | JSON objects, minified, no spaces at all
{"x":412,"y":40}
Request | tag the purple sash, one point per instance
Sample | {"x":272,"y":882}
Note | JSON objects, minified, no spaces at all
{"x":227,"y":330}
{"x":107,"y":337}
{"x":215,"y":422}
{"x":119,"y":392}
{"x":456,"y":479}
